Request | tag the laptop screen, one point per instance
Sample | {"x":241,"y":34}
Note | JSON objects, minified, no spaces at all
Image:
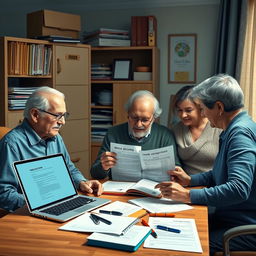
{"x":44,"y":180}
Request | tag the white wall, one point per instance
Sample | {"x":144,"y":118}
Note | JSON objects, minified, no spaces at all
{"x":199,"y":19}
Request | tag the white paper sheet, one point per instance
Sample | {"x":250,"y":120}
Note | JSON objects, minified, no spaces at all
{"x":156,"y":205}
{"x":157,"y":162}
{"x":128,"y":167}
{"x":187,"y":240}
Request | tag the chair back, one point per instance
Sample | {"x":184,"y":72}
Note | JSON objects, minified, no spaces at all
{"x":3,"y":131}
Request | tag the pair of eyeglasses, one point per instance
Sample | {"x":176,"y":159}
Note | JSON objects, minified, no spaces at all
{"x":144,"y":121}
{"x":57,"y":116}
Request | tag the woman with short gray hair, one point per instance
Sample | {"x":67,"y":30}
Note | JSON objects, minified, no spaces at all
{"x":230,"y":185}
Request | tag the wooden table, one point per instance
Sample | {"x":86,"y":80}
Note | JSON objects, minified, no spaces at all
{"x":22,"y":234}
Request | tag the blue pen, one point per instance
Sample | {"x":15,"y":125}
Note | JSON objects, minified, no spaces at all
{"x":168,"y":229}
{"x":97,"y":217}
{"x":111,"y":212}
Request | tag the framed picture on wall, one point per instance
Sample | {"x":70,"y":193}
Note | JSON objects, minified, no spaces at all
{"x":182,"y":55}
{"x":122,"y":69}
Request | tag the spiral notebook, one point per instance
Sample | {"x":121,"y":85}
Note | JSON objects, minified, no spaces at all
{"x":84,"y":223}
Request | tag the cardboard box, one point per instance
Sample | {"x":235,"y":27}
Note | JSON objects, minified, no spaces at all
{"x":146,"y":76}
{"x":46,"y":22}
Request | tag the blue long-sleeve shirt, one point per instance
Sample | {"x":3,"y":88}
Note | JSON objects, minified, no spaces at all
{"x":23,"y":143}
{"x":231,"y":184}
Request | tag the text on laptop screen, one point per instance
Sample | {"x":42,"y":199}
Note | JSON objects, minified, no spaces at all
{"x":45,"y":180}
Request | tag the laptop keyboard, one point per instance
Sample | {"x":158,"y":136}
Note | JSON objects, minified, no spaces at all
{"x":68,"y":205}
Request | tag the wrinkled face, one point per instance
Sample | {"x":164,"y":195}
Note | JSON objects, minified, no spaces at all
{"x":141,"y":116}
{"x":189,"y":112}
{"x":46,"y":124}
{"x":213,"y":114}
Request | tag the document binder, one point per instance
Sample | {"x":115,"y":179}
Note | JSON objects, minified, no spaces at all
{"x":152,"y":29}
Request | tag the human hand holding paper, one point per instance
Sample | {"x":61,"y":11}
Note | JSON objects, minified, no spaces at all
{"x":108,"y":160}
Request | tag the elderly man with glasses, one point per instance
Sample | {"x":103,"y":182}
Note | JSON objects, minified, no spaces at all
{"x":140,"y":130}
{"x":38,"y":135}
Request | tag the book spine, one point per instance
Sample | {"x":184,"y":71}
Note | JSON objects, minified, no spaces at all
{"x":144,"y":30}
{"x":133,"y":30}
{"x":138,"y":32}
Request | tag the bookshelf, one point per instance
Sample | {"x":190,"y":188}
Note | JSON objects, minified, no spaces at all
{"x":25,"y":63}
{"x":34,"y":63}
{"x":121,"y":89}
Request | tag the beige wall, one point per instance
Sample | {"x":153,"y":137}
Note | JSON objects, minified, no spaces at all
{"x":199,"y":19}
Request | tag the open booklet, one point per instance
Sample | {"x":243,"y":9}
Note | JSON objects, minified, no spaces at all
{"x":143,"y":187}
{"x":134,"y":164}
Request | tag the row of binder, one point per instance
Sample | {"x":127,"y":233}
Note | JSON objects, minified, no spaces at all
{"x":143,"y":30}
{"x":29,"y":59}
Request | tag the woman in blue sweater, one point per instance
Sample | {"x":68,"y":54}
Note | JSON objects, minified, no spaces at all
{"x":231,"y":184}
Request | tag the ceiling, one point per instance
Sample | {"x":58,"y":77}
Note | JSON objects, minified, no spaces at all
{"x":105,"y":4}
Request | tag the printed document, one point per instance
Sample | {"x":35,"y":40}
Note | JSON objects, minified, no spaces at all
{"x":134,"y":164}
{"x":156,"y":205}
{"x":157,"y":162}
{"x":128,"y":167}
{"x":187,"y":240}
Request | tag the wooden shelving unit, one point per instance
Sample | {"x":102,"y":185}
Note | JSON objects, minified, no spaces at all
{"x":122,"y":89}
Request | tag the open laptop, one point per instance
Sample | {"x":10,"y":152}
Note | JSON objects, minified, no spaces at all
{"x":48,"y":188}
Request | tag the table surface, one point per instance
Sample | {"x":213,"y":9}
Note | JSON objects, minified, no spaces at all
{"x":22,"y":234}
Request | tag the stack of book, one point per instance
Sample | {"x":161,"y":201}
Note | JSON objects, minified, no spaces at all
{"x":59,"y":39}
{"x":101,"y":120}
{"x":101,"y":72}
{"x":107,"y":37}
{"x":17,"y":96}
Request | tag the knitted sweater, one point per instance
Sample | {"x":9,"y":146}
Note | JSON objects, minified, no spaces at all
{"x":197,"y":156}
{"x":159,"y":137}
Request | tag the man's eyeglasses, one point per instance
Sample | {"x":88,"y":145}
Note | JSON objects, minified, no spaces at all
{"x":144,"y":121}
{"x":57,"y":116}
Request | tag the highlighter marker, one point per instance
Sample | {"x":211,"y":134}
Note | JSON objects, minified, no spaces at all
{"x":153,"y":233}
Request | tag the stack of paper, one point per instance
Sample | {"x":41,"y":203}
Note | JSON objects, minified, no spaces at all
{"x":84,"y":223}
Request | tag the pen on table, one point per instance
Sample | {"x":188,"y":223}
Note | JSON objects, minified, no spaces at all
{"x":101,"y":219}
{"x":96,"y":221}
{"x":153,"y":233}
{"x":168,"y":229}
{"x":111,"y":212}
{"x":162,"y":214}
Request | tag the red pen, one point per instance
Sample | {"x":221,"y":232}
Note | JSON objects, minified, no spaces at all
{"x":153,"y":233}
